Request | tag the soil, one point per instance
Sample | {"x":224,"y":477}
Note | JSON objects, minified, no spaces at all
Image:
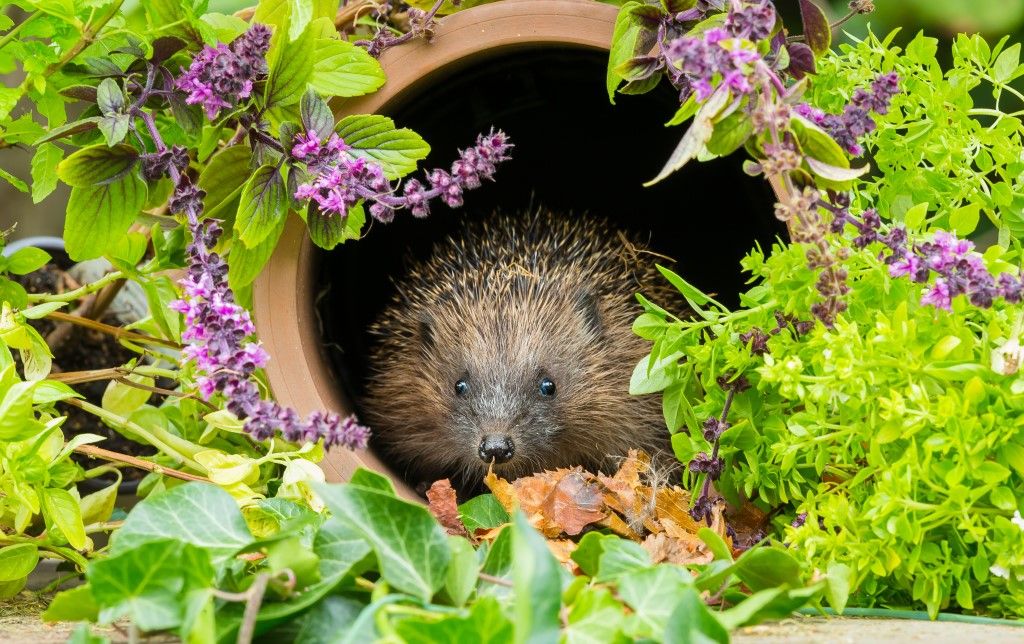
{"x":84,"y":349}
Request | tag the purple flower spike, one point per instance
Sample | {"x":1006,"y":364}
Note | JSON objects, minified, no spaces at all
{"x":855,"y":121}
{"x":340,"y":181}
{"x":222,"y":76}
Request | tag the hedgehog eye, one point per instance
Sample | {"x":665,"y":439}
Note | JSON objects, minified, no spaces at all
{"x":461,"y":387}
{"x":547,"y":387}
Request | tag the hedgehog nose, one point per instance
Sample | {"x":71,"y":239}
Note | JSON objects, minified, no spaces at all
{"x":496,"y":448}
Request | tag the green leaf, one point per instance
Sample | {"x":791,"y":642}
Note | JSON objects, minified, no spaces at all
{"x":62,"y":509}
{"x":97,"y":165}
{"x":485,"y":624}
{"x":1006,"y":63}
{"x":410,"y":545}
{"x":620,"y":556}
{"x":730,"y":133}
{"x":28,"y":259}
{"x":838,"y":586}
{"x":200,"y":514}
{"x":915,"y":216}
{"x":99,"y":506}
{"x":246,"y":264}
{"x":537,"y":583}
{"x":44,"y":170}
{"x":76,"y":604}
{"x":817,"y":143}
{"x":836,"y":173}
{"x":114,"y":128}
{"x":767,"y":567}
{"x":692,"y":623}
{"x":340,"y":548}
{"x":109,"y":97}
{"x":18,"y":184}
{"x":373,"y":481}
{"x":50,"y":391}
{"x":18,"y":560}
{"x":262,"y":206}
{"x":817,"y":30}
{"x":316,"y":115}
{"x":715,"y":544}
{"x":653,"y":594}
{"x":463,"y":571}
{"x":696,"y":137}
{"x":375,"y":138}
{"x":964,"y":220}
{"x":483,"y":512}
{"x":624,"y":43}
{"x":16,"y":419}
{"x":648,"y":378}
{"x":595,"y":616}
{"x":222,"y":179}
{"x":291,"y":67}
{"x":327,"y":230}
{"x":99,"y":215}
{"x":343,"y":69}
{"x":587,"y":554}
{"x":123,"y":399}
{"x":148,"y":582}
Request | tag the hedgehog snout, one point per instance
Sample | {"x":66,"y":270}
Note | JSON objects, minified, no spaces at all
{"x":497,"y":448}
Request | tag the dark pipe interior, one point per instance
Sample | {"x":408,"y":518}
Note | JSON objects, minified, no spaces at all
{"x":574,"y":152}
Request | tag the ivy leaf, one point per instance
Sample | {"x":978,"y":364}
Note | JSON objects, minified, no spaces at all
{"x":375,"y":138}
{"x":485,"y":624}
{"x":149,"y":583}
{"x":537,"y":582}
{"x":652,"y":594}
{"x":72,"y":605}
{"x":98,"y":216}
{"x":761,"y":568}
{"x":483,"y":512}
{"x":343,"y":69}
{"x":97,"y":165}
{"x":691,"y":622}
{"x":291,"y":67}
{"x":261,"y":207}
{"x":817,"y":30}
{"x":200,"y":514}
{"x":411,"y":547}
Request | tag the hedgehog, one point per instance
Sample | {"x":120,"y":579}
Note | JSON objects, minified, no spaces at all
{"x":511,"y":347}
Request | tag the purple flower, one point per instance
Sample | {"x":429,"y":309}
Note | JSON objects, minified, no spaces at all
{"x":222,"y":76}
{"x":704,"y":463}
{"x":937,"y":295}
{"x":855,"y":121}
{"x":714,"y":428}
{"x":753,"y":22}
{"x":341,"y":181}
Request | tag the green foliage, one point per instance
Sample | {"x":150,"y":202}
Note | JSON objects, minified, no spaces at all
{"x":382,"y":567}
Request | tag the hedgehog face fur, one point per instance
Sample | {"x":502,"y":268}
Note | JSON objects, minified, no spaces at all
{"x":512,"y":347}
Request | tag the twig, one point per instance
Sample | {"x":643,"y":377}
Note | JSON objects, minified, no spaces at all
{"x":116,"y":331}
{"x":90,"y":375}
{"x":497,"y":581}
{"x":252,"y":608}
{"x":165,"y":392}
{"x":117,"y":457}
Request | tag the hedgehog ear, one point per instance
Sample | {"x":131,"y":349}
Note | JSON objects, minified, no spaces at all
{"x":587,"y":305}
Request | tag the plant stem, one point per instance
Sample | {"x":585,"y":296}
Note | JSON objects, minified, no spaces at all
{"x":118,"y":332}
{"x":247,"y":628}
{"x":160,"y":438}
{"x":117,"y":457}
{"x":82,"y":291}
{"x":16,"y":29}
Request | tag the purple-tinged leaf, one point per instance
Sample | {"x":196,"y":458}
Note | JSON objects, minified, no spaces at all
{"x":316,"y":116}
{"x":80,"y":92}
{"x":83,"y":125}
{"x":817,"y":30}
{"x":801,"y":60}
{"x":164,"y":47}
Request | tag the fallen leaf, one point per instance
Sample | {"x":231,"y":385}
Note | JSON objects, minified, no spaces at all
{"x":574,"y":503}
{"x":443,"y":504}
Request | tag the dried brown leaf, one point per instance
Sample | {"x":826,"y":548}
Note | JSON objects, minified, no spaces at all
{"x":443,"y":504}
{"x":574,"y":503}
